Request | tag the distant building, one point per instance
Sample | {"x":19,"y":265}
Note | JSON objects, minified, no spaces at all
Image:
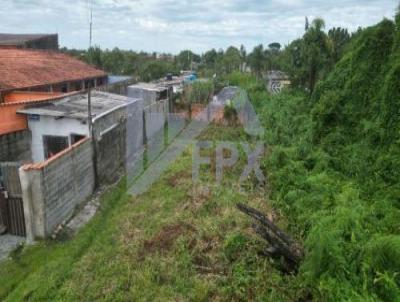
{"x":58,"y":124}
{"x":174,"y":83}
{"x":32,"y":41}
{"x":45,"y":71}
{"x":149,"y":92}
{"x":277,"y":80}
{"x":117,"y":84}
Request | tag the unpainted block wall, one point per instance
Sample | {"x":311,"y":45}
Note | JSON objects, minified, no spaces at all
{"x":67,"y":182}
{"x":53,"y":189}
{"x":15,"y":146}
{"x":134,"y":161}
{"x":110,"y":133}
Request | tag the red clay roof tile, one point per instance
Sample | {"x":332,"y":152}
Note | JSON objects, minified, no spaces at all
{"x":22,"y":68}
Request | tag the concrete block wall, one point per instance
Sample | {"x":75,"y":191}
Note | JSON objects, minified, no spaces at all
{"x":148,"y":96}
{"x":176,"y":123}
{"x":110,"y":134}
{"x":53,"y":189}
{"x":155,"y":116}
{"x":134,"y":140}
{"x":15,"y":146}
{"x":111,"y":153}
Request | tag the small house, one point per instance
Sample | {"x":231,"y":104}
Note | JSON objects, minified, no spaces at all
{"x":58,"y":124}
{"x":276,"y":81}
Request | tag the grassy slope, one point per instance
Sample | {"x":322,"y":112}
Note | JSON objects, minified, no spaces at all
{"x":176,"y":242}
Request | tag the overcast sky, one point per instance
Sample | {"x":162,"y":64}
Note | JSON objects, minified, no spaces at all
{"x":170,"y":26}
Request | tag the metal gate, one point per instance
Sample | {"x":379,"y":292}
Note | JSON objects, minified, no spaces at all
{"x":11,"y":205}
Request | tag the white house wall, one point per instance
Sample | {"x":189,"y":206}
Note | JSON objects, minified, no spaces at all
{"x":47,"y":125}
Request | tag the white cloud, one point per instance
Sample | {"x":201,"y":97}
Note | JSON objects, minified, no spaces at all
{"x":172,"y":25}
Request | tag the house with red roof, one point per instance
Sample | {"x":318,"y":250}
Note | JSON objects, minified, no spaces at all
{"x":28,"y":76}
{"x":32,"y":76}
{"x":45,"y":71}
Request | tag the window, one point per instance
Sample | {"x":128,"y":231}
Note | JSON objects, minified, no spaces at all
{"x":76,"y":138}
{"x":163,"y":95}
{"x":54,"y":144}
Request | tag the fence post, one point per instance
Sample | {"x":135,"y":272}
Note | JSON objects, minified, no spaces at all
{"x":33,"y":200}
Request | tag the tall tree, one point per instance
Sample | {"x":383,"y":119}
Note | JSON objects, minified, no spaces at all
{"x":272,"y":55}
{"x":275,"y":46}
{"x":95,"y":56}
{"x":257,"y":60}
{"x":185,"y":59}
{"x":338,"y":37}
{"x":210,"y":59}
{"x":232,"y":59}
{"x":243,"y":57}
{"x":315,"y":53}
{"x":307,"y":24}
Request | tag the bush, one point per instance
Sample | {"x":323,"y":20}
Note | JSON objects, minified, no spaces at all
{"x":198,"y":92}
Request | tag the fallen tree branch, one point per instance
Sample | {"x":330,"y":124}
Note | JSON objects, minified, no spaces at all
{"x":279,"y":243}
{"x":260,"y":217}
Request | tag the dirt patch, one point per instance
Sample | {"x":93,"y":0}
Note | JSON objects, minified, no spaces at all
{"x":196,"y":198}
{"x":179,"y":178}
{"x":164,"y":240}
{"x":204,"y":254}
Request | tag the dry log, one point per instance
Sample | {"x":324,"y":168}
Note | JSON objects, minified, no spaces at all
{"x":260,"y":217}
{"x":280,"y":244}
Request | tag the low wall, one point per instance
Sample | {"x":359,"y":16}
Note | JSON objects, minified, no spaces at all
{"x":111,"y":149}
{"x":53,"y":189}
{"x":110,"y":134}
{"x":15,"y":146}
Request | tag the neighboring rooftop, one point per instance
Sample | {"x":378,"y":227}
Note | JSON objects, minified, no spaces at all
{"x":116,"y":79}
{"x":175,"y":80}
{"x":23,"y":68}
{"x":149,"y":86}
{"x":227,"y":94}
{"x":277,"y":75}
{"x":36,"y":41}
{"x":76,"y":106}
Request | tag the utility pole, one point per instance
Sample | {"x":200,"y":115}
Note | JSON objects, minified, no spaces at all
{"x":90,"y":28}
{"x":89,"y":82}
{"x":90,"y":121}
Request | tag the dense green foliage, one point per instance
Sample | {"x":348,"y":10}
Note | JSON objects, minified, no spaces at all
{"x":306,"y":60}
{"x":198,"y":92}
{"x":141,"y":66}
{"x":334,"y":170}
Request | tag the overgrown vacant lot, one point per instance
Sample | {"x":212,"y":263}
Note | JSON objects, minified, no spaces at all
{"x":176,"y":242}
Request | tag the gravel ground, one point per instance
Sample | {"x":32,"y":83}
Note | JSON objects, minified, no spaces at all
{"x":8,"y":243}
